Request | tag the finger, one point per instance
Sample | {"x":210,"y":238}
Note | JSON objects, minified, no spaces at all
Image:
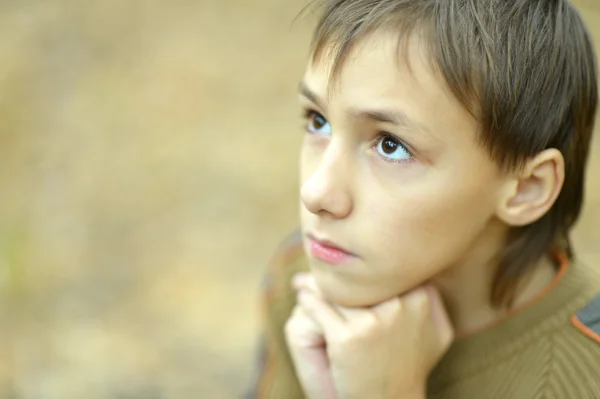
{"x":309,"y":283}
{"x":387,"y":310}
{"x":306,"y":281}
{"x":302,"y":331}
{"x":415,"y":305}
{"x":299,"y":280}
{"x":355,"y":315}
{"x":321,"y":311}
{"x":361,"y":318}
{"x":308,"y":350}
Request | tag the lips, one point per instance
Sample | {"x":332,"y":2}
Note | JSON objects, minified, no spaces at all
{"x":328,"y":251}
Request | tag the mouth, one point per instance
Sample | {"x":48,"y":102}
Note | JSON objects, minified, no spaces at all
{"x":328,"y":251}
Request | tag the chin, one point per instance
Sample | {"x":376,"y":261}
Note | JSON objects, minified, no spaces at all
{"x":350,"y":295}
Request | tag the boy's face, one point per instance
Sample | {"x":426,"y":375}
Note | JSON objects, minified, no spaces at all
{"x":391,"y":172}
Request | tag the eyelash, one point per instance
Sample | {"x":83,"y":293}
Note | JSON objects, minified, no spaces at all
{"x":308,"y":113}
{"x":385,"y":135}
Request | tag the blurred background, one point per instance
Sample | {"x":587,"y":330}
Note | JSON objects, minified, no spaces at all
{"x":148,"y":154}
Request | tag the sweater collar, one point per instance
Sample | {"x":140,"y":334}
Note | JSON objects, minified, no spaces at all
{"x":573,"y":285}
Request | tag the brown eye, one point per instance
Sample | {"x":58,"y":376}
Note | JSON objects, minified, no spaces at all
{"x":391,"y":148}
{"x":318,"y":124}
{"x":388,"y":146}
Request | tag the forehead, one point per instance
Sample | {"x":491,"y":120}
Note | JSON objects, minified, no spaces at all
{"x":375,"y":61}
{"x":378,"y":72}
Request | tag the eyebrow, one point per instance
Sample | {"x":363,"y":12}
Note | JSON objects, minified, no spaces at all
{"x":394,"y":117}
{"x":308,"y":93}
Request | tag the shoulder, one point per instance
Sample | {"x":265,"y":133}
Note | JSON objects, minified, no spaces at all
{"x":586,"y":317}
{"x":574,"y":338}
{"x":576,"y":350}
{"x":587,"y":320}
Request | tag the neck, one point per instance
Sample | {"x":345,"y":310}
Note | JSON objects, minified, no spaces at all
{"x":466,"y":287}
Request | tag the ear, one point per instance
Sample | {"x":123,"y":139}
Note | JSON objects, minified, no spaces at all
{"x":532,"y":191}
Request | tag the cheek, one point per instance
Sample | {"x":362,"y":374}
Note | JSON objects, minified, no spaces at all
{"x":426,"y":230}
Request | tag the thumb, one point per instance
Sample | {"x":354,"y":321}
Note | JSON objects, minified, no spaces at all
{"x":302,"y":332}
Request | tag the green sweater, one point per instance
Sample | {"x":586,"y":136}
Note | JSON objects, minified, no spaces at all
{"x":549,"y":348}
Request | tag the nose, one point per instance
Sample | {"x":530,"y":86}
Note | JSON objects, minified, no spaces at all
{"x":327,"y":192}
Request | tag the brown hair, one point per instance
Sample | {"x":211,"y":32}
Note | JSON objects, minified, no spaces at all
{"x":524,"y":68}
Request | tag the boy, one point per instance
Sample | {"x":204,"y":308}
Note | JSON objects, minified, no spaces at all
{"x":445,"y":152}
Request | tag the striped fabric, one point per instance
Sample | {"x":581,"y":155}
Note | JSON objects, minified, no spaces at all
{"x":550,"y":348}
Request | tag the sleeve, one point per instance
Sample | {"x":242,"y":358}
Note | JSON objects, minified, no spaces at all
{"x":274,"y":375}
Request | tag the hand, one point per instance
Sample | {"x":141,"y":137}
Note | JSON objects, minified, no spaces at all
{"x":385,"y":351}
{"x":308,"y":348}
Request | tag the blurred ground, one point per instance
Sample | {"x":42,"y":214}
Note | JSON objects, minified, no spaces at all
{"x":148,"y":168}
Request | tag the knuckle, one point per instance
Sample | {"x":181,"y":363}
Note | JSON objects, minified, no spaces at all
{"x":418,"y":303}
{"x":390,"y":312}
{"x":423,"y":302}
{"x":448,"y":337}
{"x":292,"y":323}
{"x":345,"y":340}
{"x":395,"y":307}
{"x":369,"y":327}
{"x":341,"y":345}
{"x":289,"y":327}
{"x":364,"y":330}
